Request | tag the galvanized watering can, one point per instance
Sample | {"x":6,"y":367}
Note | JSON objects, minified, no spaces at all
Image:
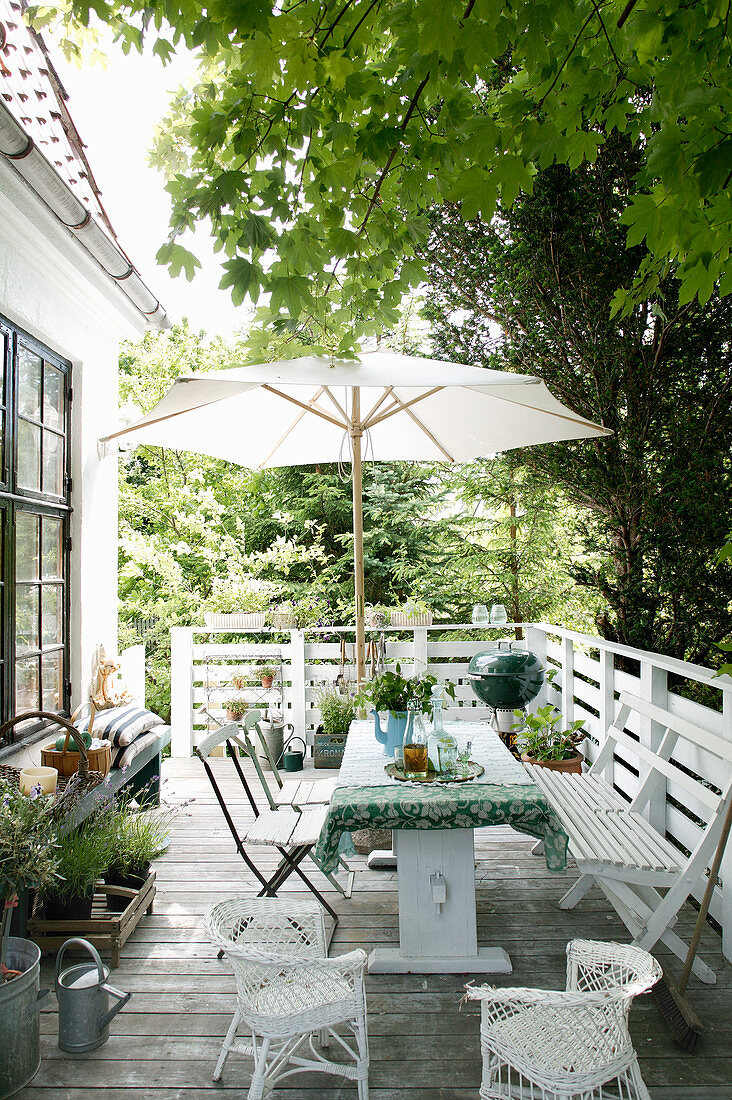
{"x":83,"y":1001}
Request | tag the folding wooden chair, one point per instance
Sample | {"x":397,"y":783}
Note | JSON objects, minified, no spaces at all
{"x":297,"y":793}
{"x":292,"y":832}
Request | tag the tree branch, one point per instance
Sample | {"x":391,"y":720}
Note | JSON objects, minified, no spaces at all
{"x":392,"y":154}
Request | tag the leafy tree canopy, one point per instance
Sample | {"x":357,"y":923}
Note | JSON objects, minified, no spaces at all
{"x":321,"y":131}
{"x":531,"y":291}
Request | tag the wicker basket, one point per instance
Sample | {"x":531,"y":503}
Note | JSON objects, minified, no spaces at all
{"x":70,"y":787}
{"x":404,"y":618}
{"x":66,"y":760}
{"x":236,"y":621}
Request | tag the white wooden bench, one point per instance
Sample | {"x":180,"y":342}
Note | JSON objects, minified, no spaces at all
{"x":645,"y":877}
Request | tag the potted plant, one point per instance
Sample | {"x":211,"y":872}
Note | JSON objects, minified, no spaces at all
{"x":28,"y":859}
{"x":236,"y":708}
{"x":392,"y":693}
{"x":239,"y":682}
{"x":140,"y":835}
{"x":267,"y":674}
{"x":83,"y":856}
{"x":283,"y":616}
{"x":337,"y":711}
{"x":237,"y":606}
{"x":376,"y":618}
{"x":414,"y":613}
{"x":543,"y":742}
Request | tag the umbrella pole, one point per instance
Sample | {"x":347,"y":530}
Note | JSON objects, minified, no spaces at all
{"x":356,"y":433}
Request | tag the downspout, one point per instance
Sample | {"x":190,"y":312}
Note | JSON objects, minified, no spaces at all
{"x":28,"y":160}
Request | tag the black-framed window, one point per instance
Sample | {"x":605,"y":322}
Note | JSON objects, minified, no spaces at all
{"x":35,"y":490}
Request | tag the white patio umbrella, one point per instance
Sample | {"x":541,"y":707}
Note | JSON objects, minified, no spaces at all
{"x":380,"y":405}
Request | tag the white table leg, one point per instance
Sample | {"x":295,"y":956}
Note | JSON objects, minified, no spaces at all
{"x":437,"y":929}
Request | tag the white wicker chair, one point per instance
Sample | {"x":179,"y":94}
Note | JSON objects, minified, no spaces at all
{"x":288,"y":991}
{"x":573,"y":1045}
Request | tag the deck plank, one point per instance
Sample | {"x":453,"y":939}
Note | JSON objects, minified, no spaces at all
{"x":166,"y":1040}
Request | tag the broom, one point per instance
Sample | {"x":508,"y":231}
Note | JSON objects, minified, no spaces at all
{"x":679,"y":1014}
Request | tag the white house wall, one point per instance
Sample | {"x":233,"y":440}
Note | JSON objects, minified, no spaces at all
{"x":53,"y":289}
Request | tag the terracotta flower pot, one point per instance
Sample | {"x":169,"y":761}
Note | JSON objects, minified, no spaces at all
{"x":573,"y":764}
{"x":267,"y":682}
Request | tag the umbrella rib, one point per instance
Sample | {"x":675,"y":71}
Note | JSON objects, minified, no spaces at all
{"x":402,"y":406}
{"x":291,"y":428}
{"x":428,"y":433}
{"x":336,"y":402}
{"x":389,"y":390}
{"x":302,"y":405}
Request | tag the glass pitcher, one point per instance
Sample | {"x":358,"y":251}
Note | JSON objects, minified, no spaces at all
{"x":416,"y":761}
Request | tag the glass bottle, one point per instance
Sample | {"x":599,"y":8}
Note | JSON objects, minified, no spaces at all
{"x":415,"y":745}
{"x":446,"y":743}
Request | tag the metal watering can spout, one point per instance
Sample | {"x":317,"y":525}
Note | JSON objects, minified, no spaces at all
{"x":83,"y":1001}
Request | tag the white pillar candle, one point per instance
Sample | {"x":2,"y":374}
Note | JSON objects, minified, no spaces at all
{"x":46,"y":778}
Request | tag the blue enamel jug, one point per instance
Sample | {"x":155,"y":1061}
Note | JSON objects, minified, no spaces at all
{"x":393,"y":736}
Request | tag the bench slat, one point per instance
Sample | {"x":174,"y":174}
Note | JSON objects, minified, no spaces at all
{"x":690,"y":732}
{"x":707,"y":797}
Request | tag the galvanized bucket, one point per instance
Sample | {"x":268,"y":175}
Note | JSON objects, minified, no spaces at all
{"x":83,"y":1001}
{"x":20,"y":1002}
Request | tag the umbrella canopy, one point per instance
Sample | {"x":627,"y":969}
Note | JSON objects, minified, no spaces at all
{"x":381,"y":405}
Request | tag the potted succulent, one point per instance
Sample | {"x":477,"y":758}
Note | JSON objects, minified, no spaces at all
{"x":392,"y":693}
{"x":236,"y":708}
{"x":543,"y":742}
{"x":140,"y":835}
{"x":28,"y":859}
{"x":267,"y":674}
{"x":83,"y":856}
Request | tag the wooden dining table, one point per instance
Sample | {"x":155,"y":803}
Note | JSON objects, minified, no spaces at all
{"x":433,"y":828}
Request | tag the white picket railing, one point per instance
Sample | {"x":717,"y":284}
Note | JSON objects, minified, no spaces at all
{"x":589,"y":674}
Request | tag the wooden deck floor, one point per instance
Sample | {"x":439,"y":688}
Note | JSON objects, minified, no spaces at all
{"x":424,"y":1044}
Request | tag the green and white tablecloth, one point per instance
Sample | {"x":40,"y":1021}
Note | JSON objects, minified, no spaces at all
{"x":366,"y":798}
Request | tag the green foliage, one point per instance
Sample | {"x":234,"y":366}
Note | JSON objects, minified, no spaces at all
{"x":542,"y":737}
{"x":336,"y":710}
{"x":84,"y":855}
{"x":649,"y":505}
{"x":392,"y":691}
{"x":28,"y":856}
{"x":318,"y":136}
{"x":236,"y":707}
{"x":139,"y":835}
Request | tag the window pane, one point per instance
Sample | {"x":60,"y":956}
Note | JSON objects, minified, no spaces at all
{"x":52,"y":686}
{"x":26,"y":618}
{"x":51,"y":549}
{"x":30,"y":369}
{"x":51,"y":615}
{"x":26,"y":684}
{"x":53,"y":464}
{"x":53,"y":397}
{"x":29,"y":456}
{"x":26,"y":547}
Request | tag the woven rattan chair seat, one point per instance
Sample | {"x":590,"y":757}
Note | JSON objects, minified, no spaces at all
{"x":295,"y":995}
{"x":563,"y":1046}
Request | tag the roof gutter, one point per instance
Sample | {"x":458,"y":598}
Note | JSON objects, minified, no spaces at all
{"x":61,"y":201}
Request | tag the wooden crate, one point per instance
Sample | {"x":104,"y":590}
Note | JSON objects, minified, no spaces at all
{"x":108,"y":932}
{"x":328,"y":750}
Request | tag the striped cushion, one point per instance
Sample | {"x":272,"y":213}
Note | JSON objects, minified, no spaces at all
{"x":121,"y":725}
{"x":127,"y":753}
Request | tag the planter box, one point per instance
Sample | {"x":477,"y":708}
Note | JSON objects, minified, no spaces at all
{"x":328,"y":750}
{"x":106,"y":931}
{"x":403,"y":618}
{"x":236,"y":621}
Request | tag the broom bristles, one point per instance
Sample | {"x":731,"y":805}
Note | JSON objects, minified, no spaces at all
{"x":681,"y":1019}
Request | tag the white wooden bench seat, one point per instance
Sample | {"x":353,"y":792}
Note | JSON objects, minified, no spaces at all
{"x":645,"y":877}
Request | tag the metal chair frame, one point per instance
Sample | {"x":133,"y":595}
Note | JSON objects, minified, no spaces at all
{"x":290,"y":861}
